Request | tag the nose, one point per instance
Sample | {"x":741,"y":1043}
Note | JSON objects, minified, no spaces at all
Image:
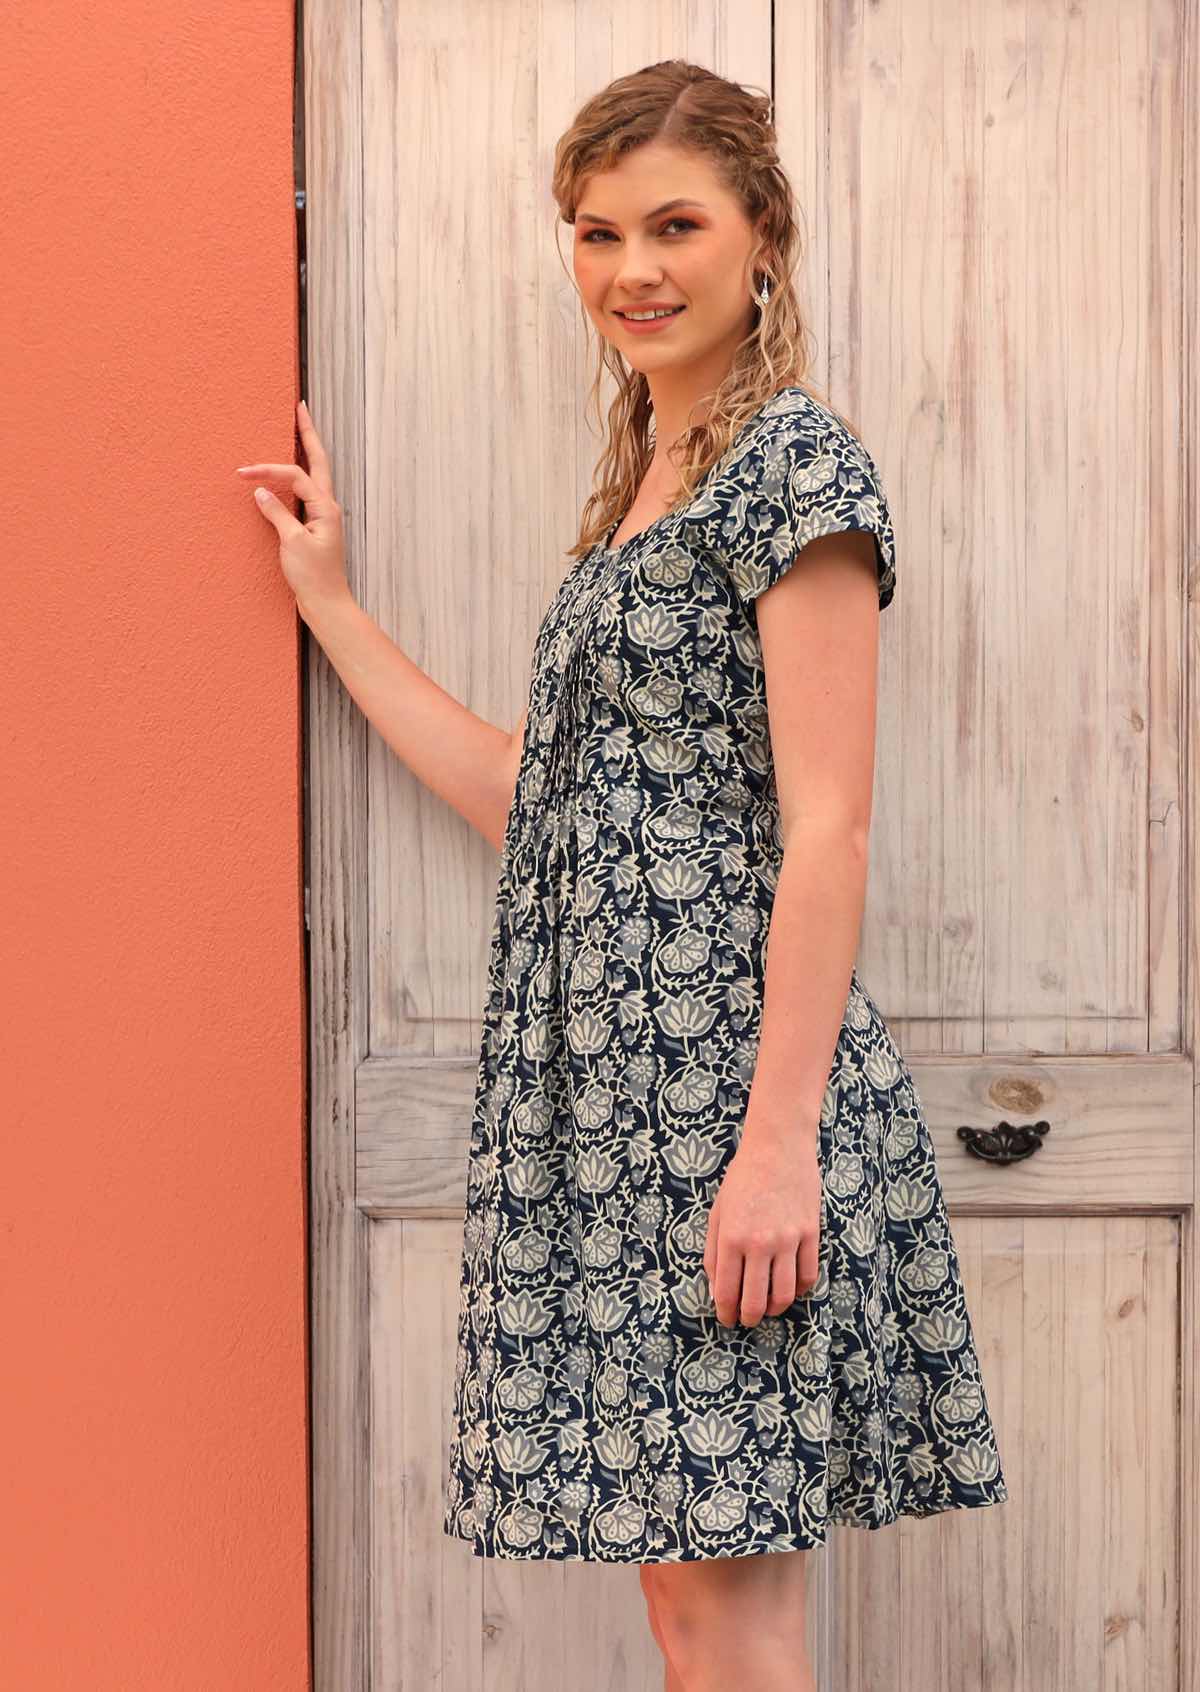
{"x":637,"y":269}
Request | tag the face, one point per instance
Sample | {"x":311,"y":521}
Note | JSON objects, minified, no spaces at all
{"x":633,"y":249}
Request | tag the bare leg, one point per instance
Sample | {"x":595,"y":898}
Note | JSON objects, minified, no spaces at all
{"x":734,"y":1621}
{"x":672,"y":1682}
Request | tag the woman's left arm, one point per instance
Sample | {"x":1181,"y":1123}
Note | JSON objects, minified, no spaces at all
{"x":819,"y":630}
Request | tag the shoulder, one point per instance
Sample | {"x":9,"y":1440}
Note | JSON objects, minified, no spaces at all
{"x":797,"y":472}
{"x":798,"y":432}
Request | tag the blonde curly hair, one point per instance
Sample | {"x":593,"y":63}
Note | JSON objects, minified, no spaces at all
{"x":731,"y":125}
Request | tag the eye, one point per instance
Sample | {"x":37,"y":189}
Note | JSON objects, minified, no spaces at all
{"x":684,"y":222}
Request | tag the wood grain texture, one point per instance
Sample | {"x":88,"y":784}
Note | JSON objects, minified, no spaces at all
{"x":337,"y":869}
{"x":1118,"y":1126}
{"x":1072,"y":1582}
{"x":1001,"y":210}
{"x":1182,"y":567}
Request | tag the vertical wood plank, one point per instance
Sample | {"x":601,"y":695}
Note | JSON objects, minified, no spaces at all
{"x":972,"y":132}
{"x":1001,"y":357}
{"x":1165,"y":1519}
{"x":1025,"y":912}
{"x":1124,"y":1478}
{"x":901,"y":327}
{"x":1171,"y":165}
{"x":335,"y":752}
{"x":1082,"y":571}
{"x":1003,"y":1362}
{"x":1189,"y":401}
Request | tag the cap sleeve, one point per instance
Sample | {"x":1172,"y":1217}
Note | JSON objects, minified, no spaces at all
{"x":804,"y":475}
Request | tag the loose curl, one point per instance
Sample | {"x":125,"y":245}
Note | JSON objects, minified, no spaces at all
{"x":690,"y":107}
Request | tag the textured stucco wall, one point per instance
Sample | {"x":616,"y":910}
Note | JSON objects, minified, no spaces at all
{"x":153,"y":1485}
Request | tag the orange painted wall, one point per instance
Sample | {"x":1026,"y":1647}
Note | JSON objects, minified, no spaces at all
{"x":153,"y":1438}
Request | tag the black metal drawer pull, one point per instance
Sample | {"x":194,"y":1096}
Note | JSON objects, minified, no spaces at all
{"x":1006,"y":1142}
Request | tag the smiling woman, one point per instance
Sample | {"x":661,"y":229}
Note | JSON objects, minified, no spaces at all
{"x":709,"y":1302}
{"x":674,"y":212}
{"x":698,"y":1178}
{"x":648,"y":272}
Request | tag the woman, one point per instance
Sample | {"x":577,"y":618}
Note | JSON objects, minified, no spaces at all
{"x":710,"y":1301}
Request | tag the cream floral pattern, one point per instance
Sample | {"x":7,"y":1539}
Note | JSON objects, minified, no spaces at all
{"x":601,"y":1410}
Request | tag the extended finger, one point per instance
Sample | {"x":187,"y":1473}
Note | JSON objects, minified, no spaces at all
{"x":296,"y":478}
{"x":318,"y":463}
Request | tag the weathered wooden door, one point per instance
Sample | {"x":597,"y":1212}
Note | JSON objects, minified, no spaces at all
{"x":1001,"y":208}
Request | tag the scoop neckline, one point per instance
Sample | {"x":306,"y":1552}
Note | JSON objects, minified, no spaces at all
{"x":608,"y":551}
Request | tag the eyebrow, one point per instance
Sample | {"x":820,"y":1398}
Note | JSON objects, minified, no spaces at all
{"x":668,"y":205}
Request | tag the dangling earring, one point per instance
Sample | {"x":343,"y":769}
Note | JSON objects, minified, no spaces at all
{"x":760,"y":299}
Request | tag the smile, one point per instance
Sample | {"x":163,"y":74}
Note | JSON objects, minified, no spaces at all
{"x":659,"y":321}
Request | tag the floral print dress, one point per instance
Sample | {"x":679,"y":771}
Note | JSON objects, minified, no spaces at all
{"x":602,"y":1412}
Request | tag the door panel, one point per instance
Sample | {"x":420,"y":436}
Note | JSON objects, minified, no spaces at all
{"x":1000,"y":208}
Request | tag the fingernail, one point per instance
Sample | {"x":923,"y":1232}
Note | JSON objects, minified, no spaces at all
{"x":261,"y":495}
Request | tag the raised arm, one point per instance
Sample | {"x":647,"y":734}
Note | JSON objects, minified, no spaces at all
{"x":468,"y":762}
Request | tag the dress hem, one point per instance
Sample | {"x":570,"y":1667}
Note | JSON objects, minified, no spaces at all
{"x":780,"y":1542}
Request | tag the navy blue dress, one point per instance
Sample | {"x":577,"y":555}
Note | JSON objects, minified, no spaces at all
{"x":602,"y":1412}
